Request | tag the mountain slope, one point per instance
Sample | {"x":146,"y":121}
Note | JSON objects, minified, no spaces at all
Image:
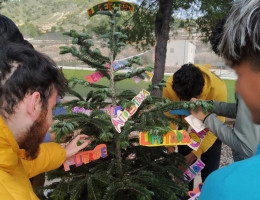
{"x":49,"y":14}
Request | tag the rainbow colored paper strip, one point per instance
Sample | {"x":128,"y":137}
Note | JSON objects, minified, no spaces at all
{"x":172,"y":138}
{"x":86,"y":157}
{"x":193,"y":170}
{"x":110,"y":5}
{"x":122,"y":117}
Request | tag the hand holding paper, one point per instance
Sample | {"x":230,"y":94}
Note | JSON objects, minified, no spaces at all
{"x":195,"y":123}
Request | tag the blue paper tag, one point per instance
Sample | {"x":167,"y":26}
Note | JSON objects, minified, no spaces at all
{"x":180,"y":112}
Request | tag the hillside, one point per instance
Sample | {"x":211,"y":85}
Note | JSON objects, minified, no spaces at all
{"x":48,"y":15}
{"x":35,"y":17}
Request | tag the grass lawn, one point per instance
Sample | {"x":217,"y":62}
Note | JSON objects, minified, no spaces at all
{"x":129,"y":83}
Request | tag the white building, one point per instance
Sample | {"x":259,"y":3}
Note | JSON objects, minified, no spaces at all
{"x":179,"y":52}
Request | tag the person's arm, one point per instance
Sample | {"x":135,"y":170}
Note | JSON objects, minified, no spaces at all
{"x":225,"y":109}
{"x":229,"y":136}
{"x":52,"y":155}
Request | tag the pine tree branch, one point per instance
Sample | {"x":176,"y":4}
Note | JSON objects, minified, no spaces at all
{"x":136,"y":72}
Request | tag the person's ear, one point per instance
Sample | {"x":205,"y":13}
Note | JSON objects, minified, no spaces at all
{"x":34,"y":105}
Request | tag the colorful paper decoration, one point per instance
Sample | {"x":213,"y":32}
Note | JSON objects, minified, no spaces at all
{"x":172,"y":138}
{"x":197,"y":138}
{"x":195,"y":123}
{"x":194,"y":194}
{"x":122,"y":117}
{"x":193,"y":170}
{"x":148,"y":76}
{"x":195,"y":197}
{"x":180,"y":112}
{"x":137,"y":79}
{"x":115,"y":65}
{"x":86,"y":157}
{"x":110,"y":5}
{"x":92,"y":78}
{"x":112,"y":111}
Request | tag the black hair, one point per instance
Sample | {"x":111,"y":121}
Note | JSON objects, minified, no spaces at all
{"x":23,"y":71}
{"x":216,"y":35}
{"x":9,"y":32}
{"x":188,"y":82}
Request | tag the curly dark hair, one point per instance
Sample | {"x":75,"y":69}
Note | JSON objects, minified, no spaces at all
{"x":188,"y":82}
{"x":23,"y":70}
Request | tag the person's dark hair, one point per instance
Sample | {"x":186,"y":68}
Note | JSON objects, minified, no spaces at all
{"x":23,"y":70}
{"x":9,"y":32}
{"x":216,"y":35}
{"x":188,"y":82}
{"x":241,"y":36}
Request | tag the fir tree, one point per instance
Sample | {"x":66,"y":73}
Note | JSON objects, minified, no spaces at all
{"x":130,"y":171}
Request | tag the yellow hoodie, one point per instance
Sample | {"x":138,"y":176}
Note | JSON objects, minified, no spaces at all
{"x":214,"y":89}
{"x":15,"y":171}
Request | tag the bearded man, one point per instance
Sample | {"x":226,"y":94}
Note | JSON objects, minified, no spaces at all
{"x":29,"y":85}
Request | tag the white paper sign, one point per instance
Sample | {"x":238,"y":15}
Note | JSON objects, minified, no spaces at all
{"x":195,"y":123}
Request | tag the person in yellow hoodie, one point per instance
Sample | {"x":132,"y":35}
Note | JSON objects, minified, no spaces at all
{"x":191,"y":81}
{"x":29,"y":85}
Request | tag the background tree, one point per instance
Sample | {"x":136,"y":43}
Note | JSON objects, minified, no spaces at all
{"x":130,"y":171}
{"x":212,"y":11}
{"x":151,"y":23}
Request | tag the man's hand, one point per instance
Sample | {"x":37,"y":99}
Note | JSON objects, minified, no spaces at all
{"x":72,"y":148}
{"x":200,"y":114}
{"x":190,"y":158}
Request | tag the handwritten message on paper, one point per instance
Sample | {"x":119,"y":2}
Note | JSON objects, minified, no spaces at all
{"x":110,"y":5}
{"x":196,"y":138}
{"x":112,"y":111}
{"x":193,"y":170}
{"x":86,"y":157}
{"x":174,"y":137}
{"x":122,"y":117}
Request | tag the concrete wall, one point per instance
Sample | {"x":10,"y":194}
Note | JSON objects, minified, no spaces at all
{"x":179,"y":52}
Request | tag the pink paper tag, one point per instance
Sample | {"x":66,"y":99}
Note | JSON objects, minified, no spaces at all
{"x":137,"y":79}
{"x":193,"y":170}
{"x":92,"y":78}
